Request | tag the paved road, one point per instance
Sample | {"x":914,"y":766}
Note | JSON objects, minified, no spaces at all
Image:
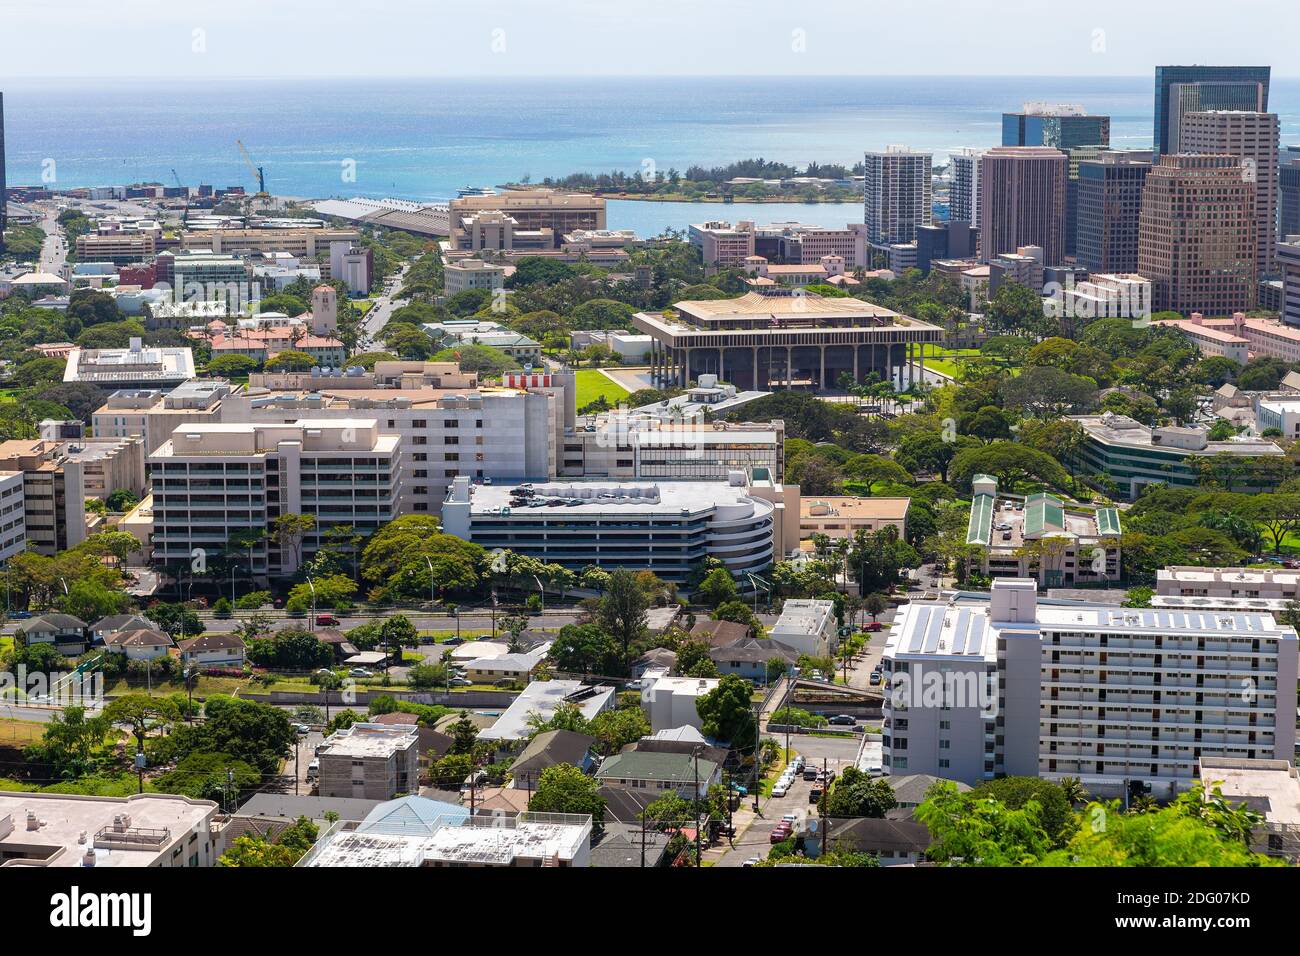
{"x":755,"y":840}
{"x":382,"y":310}
{"x":54,"y":251}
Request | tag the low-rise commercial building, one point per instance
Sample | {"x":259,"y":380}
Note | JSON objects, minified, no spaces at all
{"x":1278,"y":584}
{"x":843,"y":516}
{"x":152,"y":414}
{"x":1132,"y":454}
{"x":137,"y":366}
{"x":472,"y":274}
{"x":1042,"y":538}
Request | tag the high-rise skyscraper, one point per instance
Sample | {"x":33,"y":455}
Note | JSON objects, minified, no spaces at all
{"x":963,"y":185}
{"x":1022,"y":201}
{"x":1288,"y":193}
{"x":1253,"y":137}
{"x":897,"y":194}
{"x":1196,"y":235}
{"x":1059,"y":125}
{"x":1186,"y":89}
{"x":1076,"y":155}
{"x":4,"y":212}
{"x":1109,"y":206}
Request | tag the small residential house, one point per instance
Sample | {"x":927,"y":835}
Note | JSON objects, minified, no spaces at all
{"x":549,"y":748}
{"x":508,"y":667}
{"x":213,"y":650}
{"x":65,"y":632}
{"x":139,"y":644}
{"x":105,"y":626}
{"x":687,"y":775}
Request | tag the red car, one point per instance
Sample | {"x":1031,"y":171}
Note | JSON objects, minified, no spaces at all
{"x":327,"y":620}
{"x":873,"y":626}
{"x":781,"y":833}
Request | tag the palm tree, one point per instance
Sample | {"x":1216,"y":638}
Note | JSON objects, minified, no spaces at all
{"x":1074,"y":790}
{"x":1142,"y":803}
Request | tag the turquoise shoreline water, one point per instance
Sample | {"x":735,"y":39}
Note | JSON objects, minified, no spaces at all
{"x":424,"y":139}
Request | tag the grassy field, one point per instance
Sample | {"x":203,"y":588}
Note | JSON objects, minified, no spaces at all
{"x":20,"y":733}
{"x":948,"y":361}
{"x":592,"y":384}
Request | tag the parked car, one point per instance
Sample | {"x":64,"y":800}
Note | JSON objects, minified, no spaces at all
{"x":313,"y":770}
{"x":815,"y":795}
{"x":810,"y":773}
{"x":780,"y":789}
{"x":780,"y":835}
{"x":874,"y":626}
{"x":302,"y":730}
{"x":461,"y":682}
{"x":876,"y":678}
{"x":453,"y":641}
{"x":327,"y":620}
{"x":360,"y":672}
{"x":843,"y":720}
{"x":753,"y":861}
{"x":20,"y":615}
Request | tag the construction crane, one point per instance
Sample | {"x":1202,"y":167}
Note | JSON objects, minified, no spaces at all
{"x":256,"y":171}
{"x":185,"y":216}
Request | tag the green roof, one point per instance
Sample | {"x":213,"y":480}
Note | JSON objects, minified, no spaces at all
{"x":1043,"y":513}
{"x":1108,"y":521}
{"x":980,"y":528}
{"x":647,"y":765}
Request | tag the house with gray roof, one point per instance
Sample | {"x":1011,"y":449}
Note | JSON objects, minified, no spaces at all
{"x":688,"y":776}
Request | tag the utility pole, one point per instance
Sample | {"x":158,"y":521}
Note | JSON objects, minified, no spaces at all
{"x":758,"y":726}
{"x":643,"y":838}
{"x":297,"y":742}
{"x":695,"y":760}
{"x":826,"y":783}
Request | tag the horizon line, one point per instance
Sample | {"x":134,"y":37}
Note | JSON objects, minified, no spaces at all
{"x":208,"y":77}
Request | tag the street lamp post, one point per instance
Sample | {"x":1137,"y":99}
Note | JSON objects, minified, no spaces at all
{"x":432,"y":596}
{"x":311,"y":621}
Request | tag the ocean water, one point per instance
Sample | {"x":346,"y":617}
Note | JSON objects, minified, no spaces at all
{"x":425,"y":139}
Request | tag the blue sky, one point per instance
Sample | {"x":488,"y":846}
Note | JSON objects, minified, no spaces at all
{"x":198,"y":38}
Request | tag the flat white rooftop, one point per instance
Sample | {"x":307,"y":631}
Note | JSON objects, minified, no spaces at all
{"x":156,"y":822}
{"x":543,"y":698}
{"x":370,"y":740}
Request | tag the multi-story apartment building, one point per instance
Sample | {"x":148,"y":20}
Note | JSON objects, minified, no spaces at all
{"x":13,"y":523}
{"x":1252,"y":137}
{"x":212,"y":480}
{"x":666,"y":526}
{"x":370,"y":762}
{"x":1132,"y":454}
{"x":775,"y":339}
{"x":1109,"y":192}
{"x":1022,"y":197}
{"x":1185,"y":89}
{"x":511,"y":432}
{"x":1197,"y":239}
{"x":964,"y":185}
{"x":300,"y":243}
{"x":4,"y":208}
{"x":77,"y":830}
{"x":1058,"y":125}
{"x":198,"y":275}
{"x":897,"y":197}
{"x":58,"y":477}
{"x":720,"y":243}
{"x":1117,"y":697}
{"x":153,"y":415}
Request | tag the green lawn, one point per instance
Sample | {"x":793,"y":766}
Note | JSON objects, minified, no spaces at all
{"x":592,"y":384}
{"x":948,"y":361}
